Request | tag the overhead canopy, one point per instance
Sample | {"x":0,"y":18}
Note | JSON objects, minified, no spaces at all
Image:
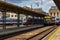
{"x":13,"y":8}
{"x":57,"y":2}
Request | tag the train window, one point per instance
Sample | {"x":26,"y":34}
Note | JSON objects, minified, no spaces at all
{"x":1,"y":20}
{"x":57,"y":19}
{"x":8,"y":15}
{"x":20,"y":20}
{"x":25,"y":19}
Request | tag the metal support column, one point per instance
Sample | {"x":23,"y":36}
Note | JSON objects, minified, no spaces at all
{"x":33,"y":20}
{"x":42,"y":20}
{"x":4,"y":19}
{"x":18,"y":20}
{"x":37,"y":20}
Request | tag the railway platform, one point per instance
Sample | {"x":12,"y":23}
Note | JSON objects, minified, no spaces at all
{"x":16,"y":29}
{"x":32,"y":35}
{"x":35,"y":34}
{"x":54,"y":35}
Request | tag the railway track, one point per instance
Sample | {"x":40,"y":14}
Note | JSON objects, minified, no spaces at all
{"x":36,"y":34}
{"x":41,"y":35}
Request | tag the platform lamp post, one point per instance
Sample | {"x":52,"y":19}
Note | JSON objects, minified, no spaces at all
{"x":33,"y":15}
{"x":31,"y":6}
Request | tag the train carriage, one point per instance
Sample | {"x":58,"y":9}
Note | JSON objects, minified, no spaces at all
{"x":10,"y":21}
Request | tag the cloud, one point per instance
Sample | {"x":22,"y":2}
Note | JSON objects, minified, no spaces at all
{"x":28,"y":5}
{"x":46,"y":4}
{"x":16,"y":1}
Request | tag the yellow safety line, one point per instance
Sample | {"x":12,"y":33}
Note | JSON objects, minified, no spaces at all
{"x":53,"y":34}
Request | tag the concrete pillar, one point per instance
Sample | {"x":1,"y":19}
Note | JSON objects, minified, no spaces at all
{"x":4,"y":19}
{"x":38,"y":21}
{"x":18,"y":20}
{"x":42,"y":20}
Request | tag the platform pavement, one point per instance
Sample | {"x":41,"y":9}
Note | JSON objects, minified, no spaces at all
{"x":12,"y":30}
{"x":55,"y":35}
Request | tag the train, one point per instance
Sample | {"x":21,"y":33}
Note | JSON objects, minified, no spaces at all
{"x":10,"y":21}
{"x":32,"y":21}
{"x":53,"y":21}
{"x":57,"y":21}
{"x":44,"y":21}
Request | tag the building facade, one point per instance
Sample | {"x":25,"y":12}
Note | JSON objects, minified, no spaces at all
{"x":2,"y":0}
{"x":54,"y":12}
{"x":22,"y":16}
{"x":12,"y":15}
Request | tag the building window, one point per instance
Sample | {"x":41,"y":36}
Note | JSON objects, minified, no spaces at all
{"x":50,"y":14}
{"x":11,"y":15}
{"x":54,"y":14}
{"x":15,"y":15}
{"x":57,"y":14}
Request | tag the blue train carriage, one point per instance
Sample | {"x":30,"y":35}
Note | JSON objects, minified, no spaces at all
{"x":57,"y":20}
{"x":10,"y":21}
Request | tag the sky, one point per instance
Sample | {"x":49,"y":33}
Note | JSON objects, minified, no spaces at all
{"x":44,"y":4}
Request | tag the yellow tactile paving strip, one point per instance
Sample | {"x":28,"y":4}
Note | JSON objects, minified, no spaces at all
{"x":54,"y":34}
